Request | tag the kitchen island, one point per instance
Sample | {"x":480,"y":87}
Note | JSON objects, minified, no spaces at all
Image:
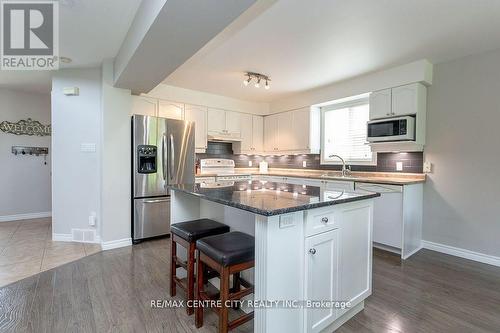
{"x":313,"y":253}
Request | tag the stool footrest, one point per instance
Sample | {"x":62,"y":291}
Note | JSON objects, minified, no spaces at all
{"x":181,"y":283}
{"x":239,"y":321}
{"x":180,"y":263}
{"x":240,"y":294}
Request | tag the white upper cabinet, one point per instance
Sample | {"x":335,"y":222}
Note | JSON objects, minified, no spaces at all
{"x":216,"y":121}
{"x":294,"y":132}
{"x":408,"y":99}
{"x":172,"y":110}
{"x":271,"y":133}
{"x":252,"y":131}
{"x":380,"y":104}
{"x":285,"y":131}
{"x":233,"y":125}
{"x":246,"y":133}
{"x":224,"y":123}
{"x":258,"y":133}
{"x":145,"y":106}
{"x":198,"y":114}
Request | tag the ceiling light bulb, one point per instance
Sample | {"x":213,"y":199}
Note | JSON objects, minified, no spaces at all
{"x":267,"y":85}
{"x":257,"y":84}
{"x":245,"y":82}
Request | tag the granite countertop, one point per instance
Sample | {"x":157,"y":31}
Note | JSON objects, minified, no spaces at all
{"x":269,"y":198}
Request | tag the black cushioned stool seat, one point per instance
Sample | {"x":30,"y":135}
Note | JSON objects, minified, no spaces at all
{"x":185,"y":234}
{"x":228,"y":249}
{"x":191,"y":231}
{"x":228,"y":254}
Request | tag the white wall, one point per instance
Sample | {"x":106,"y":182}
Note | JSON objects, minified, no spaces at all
{"x":188,"y":96}
{"x":461,"y":198}
{"x":25,"y":180}
{"x":116,"y":165}
{"x":75,"y":174}
{"x":418,"y":71}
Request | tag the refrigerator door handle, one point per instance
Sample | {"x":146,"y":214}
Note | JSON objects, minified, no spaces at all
{"x":156,"y":201}
{"x":172,"y":157}
{"x":163,"y":148}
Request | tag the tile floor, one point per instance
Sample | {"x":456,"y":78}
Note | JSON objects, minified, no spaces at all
{"x":26,"y":248}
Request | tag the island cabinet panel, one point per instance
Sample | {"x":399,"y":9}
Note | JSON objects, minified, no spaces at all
{"x":355,"y":224}
{"x":322,"y":278}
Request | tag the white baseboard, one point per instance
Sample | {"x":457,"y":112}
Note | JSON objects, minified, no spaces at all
{"x":462,"y":253}
{"x":116,"y":243}
{"x":29,"y":216}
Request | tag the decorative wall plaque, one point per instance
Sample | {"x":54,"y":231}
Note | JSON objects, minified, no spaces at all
{"x":25,"y":127}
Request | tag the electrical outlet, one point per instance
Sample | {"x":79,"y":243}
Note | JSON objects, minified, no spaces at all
{"x":250,"y":163}
{"x":427,"y":167}
{"x":304,"y":164}
{"x":399,"y":166}
{"x":92,"y":219}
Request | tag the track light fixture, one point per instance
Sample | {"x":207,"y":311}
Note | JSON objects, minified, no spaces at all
{"x":257,"y":77}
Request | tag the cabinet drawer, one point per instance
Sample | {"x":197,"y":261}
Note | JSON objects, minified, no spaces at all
{"x":321,"y":220}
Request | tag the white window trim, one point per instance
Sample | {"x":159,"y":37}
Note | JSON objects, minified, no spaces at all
{"x":336,"y":106}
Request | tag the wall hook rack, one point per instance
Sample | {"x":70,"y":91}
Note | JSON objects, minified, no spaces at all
{"x":23,"y":150}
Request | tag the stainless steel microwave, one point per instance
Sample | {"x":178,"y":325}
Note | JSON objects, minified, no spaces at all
{"x":391,"y":129}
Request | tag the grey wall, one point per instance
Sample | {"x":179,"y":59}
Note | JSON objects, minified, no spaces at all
{"x":462,"y":198}
{"x":75,"y":174}
{"x":24,"y":180}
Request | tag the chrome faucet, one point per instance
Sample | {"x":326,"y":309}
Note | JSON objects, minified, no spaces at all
{"x":345,"y":170}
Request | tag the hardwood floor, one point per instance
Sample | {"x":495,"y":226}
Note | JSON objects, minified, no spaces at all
{"x":111,"y":291}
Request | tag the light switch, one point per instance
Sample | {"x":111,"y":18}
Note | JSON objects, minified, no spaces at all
{"x":304,"y":164}
{"x":399,"y":166}
{"x":250,"y":163}
{"x":427,"y":167}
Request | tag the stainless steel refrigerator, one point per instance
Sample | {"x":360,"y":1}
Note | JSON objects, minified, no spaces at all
{"x":163,"y":153}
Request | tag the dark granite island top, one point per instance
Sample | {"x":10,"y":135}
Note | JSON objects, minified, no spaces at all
{"x":269,"y":198}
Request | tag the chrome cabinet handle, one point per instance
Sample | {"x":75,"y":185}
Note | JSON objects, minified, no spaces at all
{"x":172,"y":156}
{"x":324,"y":220}
{"x":312,"y":251}
{"x":164,"y":147}
{"x":156,"y":201}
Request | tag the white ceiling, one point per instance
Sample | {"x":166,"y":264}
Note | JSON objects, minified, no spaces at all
{"x":306,"y":44}
{"x":89,"y":31}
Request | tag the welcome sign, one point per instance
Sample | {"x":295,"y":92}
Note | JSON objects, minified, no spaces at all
{"x":25,"y":127}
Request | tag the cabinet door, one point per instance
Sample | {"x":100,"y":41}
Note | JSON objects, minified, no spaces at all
{"x":258,"y":133}
{"x":198,"y":114}
{"x":216,"y":121}
{"x":322,"y":278}
{"x":233,"y":126}
{"x":380,"y":104}
{"x":355,"y":254}
{"x":246,"y":125}
{"x":145,"y":106}
{"x":284,"y":134}
{"x":300,"y":129}
{"x":170,"y":110}
{"x":270,"y":133}
{"x":405,"y":99}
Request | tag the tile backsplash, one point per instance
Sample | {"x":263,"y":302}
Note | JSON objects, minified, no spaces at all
{"x":386,"y":162}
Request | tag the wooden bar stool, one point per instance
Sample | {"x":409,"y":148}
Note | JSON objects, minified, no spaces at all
{"x":186,"y":234}
{"x":228,"y":254}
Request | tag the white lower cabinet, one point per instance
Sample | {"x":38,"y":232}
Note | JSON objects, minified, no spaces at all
{"x":322,"y":278}
{"x":338,"y":262}
{"x":397,"y":217}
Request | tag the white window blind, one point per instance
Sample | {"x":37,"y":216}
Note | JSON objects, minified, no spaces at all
{"x":344,"y":132}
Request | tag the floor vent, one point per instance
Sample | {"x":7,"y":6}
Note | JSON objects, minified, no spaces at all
{"x":83,"y":235}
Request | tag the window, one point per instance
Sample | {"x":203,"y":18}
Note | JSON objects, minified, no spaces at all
{"x":343,"y":133}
